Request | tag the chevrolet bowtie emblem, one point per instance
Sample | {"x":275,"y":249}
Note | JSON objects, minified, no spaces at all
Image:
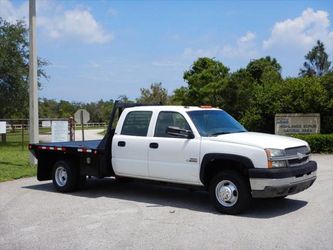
{"x":300,"y":155}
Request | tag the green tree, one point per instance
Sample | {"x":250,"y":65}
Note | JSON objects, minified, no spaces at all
{"x":265,"y":103}
{"x":316,"y":63}
{"x":238,"y":93}
{"x":266,"y":65}
{"x":156,"y":94}
{"x":124,"y":99}
{"x":180,"y":96}
{"x":302,"y":95}
{"x":14,"y":69}
{"x":48,"y":108}
{"x":105,"y":109}
{"x":206,"y":80}
{"x":66,"y":109}
{"x":294,"y":95}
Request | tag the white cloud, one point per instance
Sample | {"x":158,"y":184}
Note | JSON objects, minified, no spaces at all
{"x":244,"y":47}
{"x":58,"y":23}
{"x":75,"y":23}
{"x":11,"y":13}
{"x":301,"y":32}
{"x":249,"y":36}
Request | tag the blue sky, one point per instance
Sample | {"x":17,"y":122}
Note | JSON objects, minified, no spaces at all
{"x":104,"y":49}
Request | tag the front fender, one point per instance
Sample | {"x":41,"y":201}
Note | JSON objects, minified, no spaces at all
{"x":245,"y":162}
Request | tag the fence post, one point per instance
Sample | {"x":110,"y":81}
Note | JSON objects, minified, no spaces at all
{"x":22,"y":128}
{"x":3,"y":138}
{"x":71,"y":129}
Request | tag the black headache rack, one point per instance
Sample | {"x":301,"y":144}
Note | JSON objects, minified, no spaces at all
{"x":93,"y":156}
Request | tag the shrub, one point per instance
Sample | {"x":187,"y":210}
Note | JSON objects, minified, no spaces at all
{"x":319,"y":143}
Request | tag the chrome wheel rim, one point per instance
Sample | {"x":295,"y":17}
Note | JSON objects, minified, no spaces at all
{"x":61,"y":176}
{"x":226,"y":193}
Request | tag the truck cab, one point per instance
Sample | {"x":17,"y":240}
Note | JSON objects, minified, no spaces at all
{"x":200,"y":146}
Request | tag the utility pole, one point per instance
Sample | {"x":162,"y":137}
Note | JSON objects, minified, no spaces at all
{"x":33,"y":87}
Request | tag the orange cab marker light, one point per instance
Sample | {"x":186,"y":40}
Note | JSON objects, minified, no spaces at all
{"x":206,"y":107}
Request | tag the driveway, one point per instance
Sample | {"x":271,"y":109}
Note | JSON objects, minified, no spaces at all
{"x":136,"y":215}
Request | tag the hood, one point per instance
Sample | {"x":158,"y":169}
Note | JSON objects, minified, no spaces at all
{"x":260,"y":140}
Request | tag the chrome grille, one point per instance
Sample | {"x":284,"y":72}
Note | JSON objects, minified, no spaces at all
{"x":293,"y":155}
{"x":294,"y":151}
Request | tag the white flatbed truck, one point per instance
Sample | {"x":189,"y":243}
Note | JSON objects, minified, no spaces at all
{"x":200,"y":146}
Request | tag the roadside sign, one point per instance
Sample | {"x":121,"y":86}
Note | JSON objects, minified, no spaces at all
{"x":3,"y":127}
{"x":59,"y":131}
{"x":297,"y":123}
{"x":81,"y":116}
{"x":46,"y":124}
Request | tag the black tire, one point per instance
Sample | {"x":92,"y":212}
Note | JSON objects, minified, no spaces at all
{"x":70,"y":177}
{"x":241,"y":195}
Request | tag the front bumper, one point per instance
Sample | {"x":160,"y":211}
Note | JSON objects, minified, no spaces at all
{"x":266,"y":183}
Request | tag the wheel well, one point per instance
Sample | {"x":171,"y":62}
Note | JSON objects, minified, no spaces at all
{"x":216,"y":166}
{"x":46,"y":163}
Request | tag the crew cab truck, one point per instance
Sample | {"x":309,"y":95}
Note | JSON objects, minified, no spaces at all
{"x":199,"y":146}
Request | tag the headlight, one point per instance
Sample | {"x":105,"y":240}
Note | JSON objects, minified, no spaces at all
{"x":274,"y":158}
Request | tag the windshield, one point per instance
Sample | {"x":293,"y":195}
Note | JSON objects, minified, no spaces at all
{"x":215,"y":122}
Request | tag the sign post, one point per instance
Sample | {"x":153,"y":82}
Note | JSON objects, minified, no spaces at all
{"x":82,"y":127}
{"x":82,"y":116}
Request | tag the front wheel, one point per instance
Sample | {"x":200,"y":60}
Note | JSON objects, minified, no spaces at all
{"x":230,"y":192}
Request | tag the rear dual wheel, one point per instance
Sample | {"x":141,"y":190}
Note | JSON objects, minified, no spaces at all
{"x":66,"y":177}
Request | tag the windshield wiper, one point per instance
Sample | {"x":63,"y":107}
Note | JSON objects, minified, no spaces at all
{"x":224,"y":133}
{"x":219,"y":133}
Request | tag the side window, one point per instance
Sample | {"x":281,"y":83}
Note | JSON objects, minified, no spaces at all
{"x":166,"y":119}
{"x":136,"y":123}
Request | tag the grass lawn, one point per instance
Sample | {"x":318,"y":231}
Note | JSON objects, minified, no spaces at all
{"x":14,"y":162}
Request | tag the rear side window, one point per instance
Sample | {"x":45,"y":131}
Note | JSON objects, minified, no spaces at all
{"x":136,"y":123}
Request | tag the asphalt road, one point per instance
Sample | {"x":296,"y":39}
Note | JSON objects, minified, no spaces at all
{"x":135,"y":215}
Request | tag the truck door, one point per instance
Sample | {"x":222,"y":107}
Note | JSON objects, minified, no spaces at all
{"x":130,"y":145}
{"x":173,"y":158}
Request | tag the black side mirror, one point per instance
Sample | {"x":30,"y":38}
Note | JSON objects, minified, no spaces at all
{"x":181,"y":133}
